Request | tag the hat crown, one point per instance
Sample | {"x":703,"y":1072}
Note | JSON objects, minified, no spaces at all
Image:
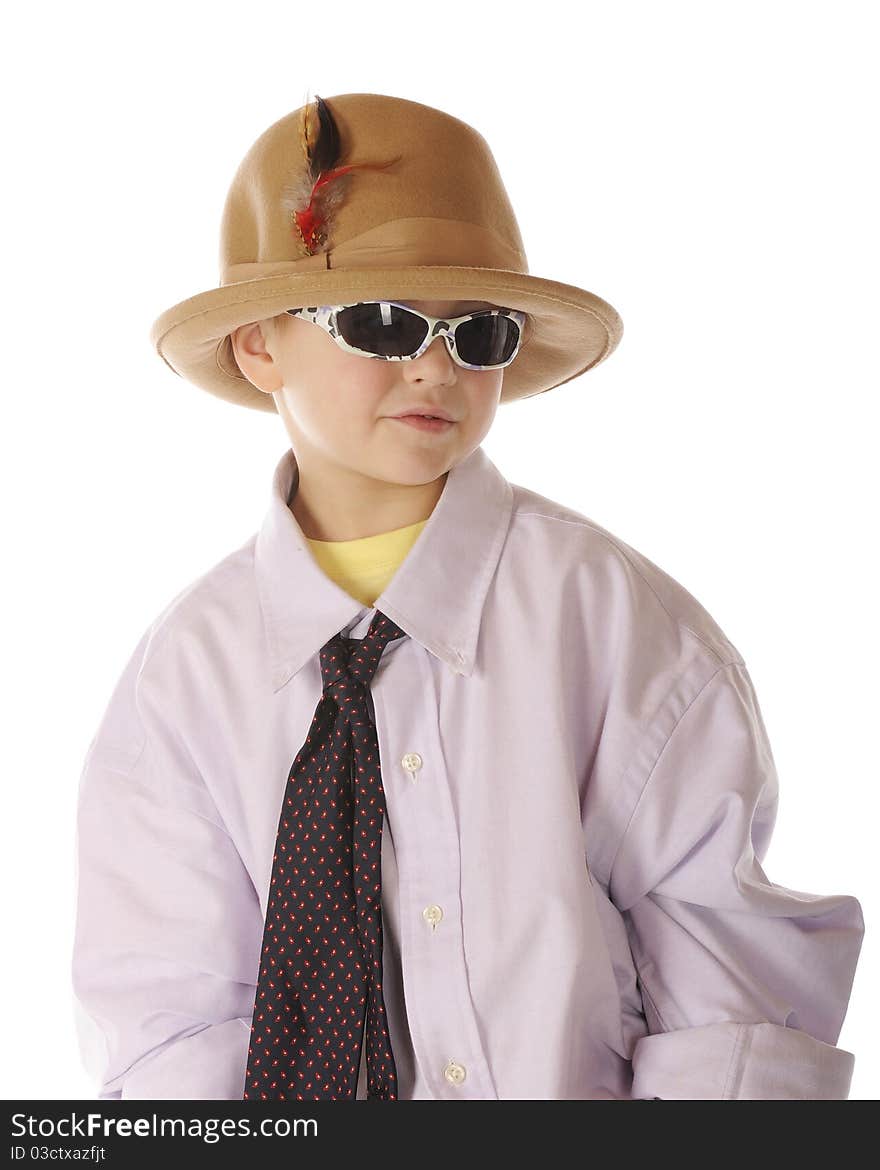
{"x":437,"y":199}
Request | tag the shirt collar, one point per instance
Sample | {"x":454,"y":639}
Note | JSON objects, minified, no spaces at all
{"x":436,"y":596}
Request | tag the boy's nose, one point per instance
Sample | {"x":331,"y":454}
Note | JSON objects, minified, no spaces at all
{"x":440,"y":348}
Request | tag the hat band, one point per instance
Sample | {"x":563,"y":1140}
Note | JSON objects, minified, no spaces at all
{"x":421,"y":240}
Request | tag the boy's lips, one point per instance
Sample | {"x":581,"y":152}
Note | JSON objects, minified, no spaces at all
{"x":421,"y":423}
{"x":424,"y":411}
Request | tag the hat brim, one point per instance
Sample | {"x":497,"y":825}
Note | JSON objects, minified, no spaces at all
{"x":569,"y":331}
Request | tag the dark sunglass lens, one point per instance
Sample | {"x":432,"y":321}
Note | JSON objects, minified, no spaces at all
{"x":487,"y":341}
{"x":395,"y":334}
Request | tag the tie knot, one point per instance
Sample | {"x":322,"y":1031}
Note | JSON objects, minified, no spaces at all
{"x":344,"y":658}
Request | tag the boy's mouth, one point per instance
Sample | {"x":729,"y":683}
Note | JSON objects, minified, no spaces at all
{"x":424,"y":422}
{"x":433,"y":412}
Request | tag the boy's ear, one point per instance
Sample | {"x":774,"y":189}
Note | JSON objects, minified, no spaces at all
{"x":246,"y":335}
{"x":253,"y":355}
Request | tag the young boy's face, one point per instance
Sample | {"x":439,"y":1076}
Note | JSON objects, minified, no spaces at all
{"x":338,"y":407}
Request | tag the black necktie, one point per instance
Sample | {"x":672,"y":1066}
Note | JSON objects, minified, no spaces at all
{"x":320,"y":977}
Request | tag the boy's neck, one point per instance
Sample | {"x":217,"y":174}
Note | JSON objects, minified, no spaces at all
{"x":327,"y":514}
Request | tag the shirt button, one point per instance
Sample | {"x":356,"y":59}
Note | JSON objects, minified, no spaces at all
{"x":412,"y":761}
{"x":455,"y":1072}
{"x":432,"y":914}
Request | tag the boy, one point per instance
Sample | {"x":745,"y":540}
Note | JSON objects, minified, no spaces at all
{"x":434,"y":789}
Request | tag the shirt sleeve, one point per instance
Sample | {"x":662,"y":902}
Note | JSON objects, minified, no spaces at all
{"x":745,"y":983}
{"x":167,"y":918}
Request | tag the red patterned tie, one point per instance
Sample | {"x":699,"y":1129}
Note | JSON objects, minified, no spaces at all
{"x":320,"y":975}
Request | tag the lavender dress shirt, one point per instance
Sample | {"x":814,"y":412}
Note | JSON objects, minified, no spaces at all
{"x":580,"y":792}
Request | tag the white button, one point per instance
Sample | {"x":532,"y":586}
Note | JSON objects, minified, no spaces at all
{"x":432,"y":914}
{"x":455,"y":1072}
{"x":412,"y":761}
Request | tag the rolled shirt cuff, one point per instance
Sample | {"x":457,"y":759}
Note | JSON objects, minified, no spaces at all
{"x":732,"y":1061}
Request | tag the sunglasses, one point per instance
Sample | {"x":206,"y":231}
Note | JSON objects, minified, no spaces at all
{"x":488,"y":339}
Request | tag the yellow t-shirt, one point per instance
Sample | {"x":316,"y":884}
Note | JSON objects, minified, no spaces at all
{"x":364,"y":567}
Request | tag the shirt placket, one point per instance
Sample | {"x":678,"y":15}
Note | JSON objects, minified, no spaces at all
{"x":419,"y":806}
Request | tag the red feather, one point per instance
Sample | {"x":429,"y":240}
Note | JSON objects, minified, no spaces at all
{"x":320,"y":186}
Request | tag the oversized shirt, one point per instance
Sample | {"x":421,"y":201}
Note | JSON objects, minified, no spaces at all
{"x":580,"y":792}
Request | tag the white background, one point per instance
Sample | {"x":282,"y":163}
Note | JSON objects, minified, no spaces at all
{"x":709,"y":169}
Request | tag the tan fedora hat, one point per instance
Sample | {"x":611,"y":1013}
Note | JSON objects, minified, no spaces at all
{"x":370,"y":197}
